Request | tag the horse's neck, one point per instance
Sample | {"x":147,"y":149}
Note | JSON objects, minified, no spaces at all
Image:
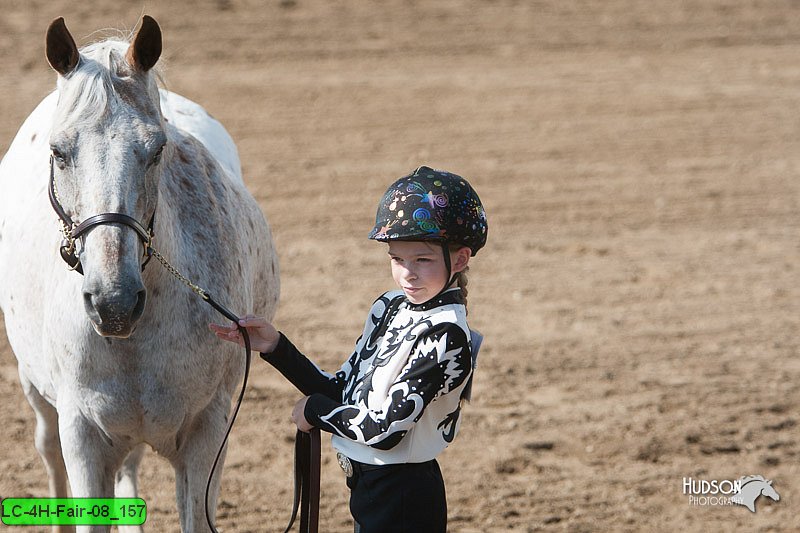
{"x":176,"y":224}
{"x":167,"y":242}
{"x":156,"y":275}
{"x":750,"y":491}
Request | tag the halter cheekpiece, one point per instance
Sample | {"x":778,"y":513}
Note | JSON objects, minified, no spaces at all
{"x":72,"y":231}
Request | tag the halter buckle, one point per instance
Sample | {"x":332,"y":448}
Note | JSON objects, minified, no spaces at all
{"x":67,"y":251}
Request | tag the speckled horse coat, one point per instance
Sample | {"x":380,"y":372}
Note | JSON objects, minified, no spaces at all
{"x":122,"y":357}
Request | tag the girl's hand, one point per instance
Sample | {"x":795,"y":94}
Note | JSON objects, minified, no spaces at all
{"x":263,"y":335}
{"x":299,"y":417}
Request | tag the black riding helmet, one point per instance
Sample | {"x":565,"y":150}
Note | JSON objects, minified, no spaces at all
{"x":432,"y":205}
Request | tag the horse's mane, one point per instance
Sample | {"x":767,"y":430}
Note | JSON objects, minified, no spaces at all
{"x":87,"y":91}
{"x":747,"y":479}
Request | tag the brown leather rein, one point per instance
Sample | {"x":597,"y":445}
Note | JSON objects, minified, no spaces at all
{"x":306,"y":481}
{"x":307,"y":445}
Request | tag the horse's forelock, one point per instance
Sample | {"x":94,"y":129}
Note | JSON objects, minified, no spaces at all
{"x":88,"y":91}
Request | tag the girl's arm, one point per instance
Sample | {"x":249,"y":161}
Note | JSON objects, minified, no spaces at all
{"x":439,"y":363}
{"x":277,"y":350}
{"x":302,"y":372}
{"x":307,"y":376}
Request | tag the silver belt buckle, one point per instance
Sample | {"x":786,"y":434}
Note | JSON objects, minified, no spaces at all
{"x":345,"y":463}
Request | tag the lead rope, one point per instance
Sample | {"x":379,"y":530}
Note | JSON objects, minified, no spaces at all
{"x":306,"y":481}
{"x":307,"y":445}
{"x":230,"y":316}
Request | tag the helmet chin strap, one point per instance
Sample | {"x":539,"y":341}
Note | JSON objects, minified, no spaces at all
{"x":450,"y":276}
{"x":447,"y":264}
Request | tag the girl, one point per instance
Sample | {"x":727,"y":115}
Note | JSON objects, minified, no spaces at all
{"x":395,"y":403}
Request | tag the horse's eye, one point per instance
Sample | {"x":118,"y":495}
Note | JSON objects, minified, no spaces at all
{"x":58,"y":157}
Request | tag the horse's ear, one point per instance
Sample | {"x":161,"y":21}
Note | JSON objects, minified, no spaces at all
{"x":62,"y":54}
{"x":145,"y":49}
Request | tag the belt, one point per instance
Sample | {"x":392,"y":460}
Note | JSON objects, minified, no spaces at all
{"x":351,"y":466}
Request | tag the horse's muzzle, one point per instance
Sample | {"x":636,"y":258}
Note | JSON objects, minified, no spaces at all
{"x":115,"y":314}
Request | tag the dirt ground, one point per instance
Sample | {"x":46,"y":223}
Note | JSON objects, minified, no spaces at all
{"x":639,"y":293}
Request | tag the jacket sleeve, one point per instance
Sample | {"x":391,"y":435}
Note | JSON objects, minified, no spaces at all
{"x":303,"y":373}
{"x":439,"y":363}
{"x":308,"y":377}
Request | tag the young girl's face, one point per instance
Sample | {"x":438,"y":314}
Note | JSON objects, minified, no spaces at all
{"x":419,"y":270}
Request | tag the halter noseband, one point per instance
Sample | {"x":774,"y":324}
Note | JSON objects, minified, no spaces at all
{"x":73,"y":231}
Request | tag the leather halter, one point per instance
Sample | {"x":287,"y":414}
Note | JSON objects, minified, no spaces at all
{"x":73,"y":231}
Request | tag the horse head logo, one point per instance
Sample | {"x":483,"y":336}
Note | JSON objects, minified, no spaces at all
{"x":751,"y":488}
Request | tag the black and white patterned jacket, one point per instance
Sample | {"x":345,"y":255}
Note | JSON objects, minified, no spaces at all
{"x":397,"y":398}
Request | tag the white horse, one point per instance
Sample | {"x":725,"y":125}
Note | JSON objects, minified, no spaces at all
{"x":122,"y":357}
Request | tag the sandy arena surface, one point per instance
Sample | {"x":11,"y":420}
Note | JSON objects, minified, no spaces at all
{"x":639,"y":294}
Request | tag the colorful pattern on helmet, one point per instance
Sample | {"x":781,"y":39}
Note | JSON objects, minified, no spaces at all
{"x":431,"y":205}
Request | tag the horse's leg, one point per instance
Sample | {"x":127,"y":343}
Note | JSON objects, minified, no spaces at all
{"x":195,"y":456}
{"x":89,"y":456}
{"x":126,"y":484}
{"x":48,"y":444}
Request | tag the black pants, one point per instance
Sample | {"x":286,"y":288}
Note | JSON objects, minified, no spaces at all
{"x":401,"y":498}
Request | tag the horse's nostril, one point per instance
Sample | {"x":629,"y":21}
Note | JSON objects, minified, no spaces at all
{"x":91,"y":310}
{"x":87,"y":300}
{"x":138,"y":309}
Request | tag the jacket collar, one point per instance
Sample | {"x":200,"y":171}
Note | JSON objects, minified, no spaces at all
{"x":450,"y":296}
